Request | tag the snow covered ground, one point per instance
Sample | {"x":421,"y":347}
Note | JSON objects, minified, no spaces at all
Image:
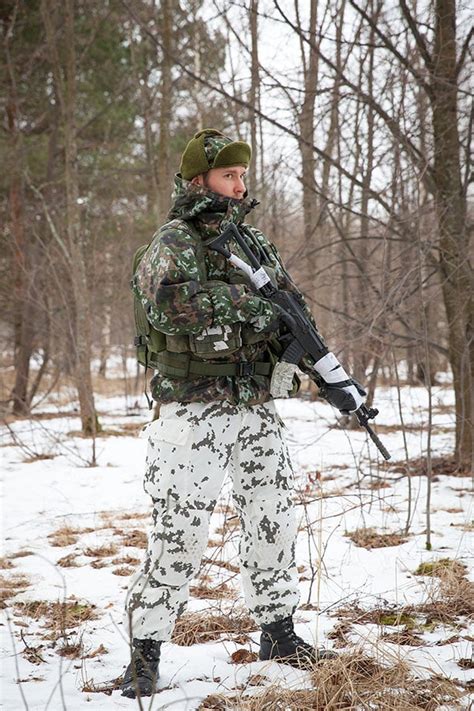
{"x":74,"y":533}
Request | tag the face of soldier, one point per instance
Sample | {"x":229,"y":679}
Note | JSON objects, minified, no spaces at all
{"x":228,"y":182}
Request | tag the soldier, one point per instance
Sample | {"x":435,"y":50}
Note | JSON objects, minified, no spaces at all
{"x":216,"y":414}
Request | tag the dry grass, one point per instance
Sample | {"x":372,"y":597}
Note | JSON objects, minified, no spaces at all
{"x":340,"y":634}
{"x":5,"y":563}
{"x":11,"y":586}
{"x":450,"y":602}
{"x":105,"y":687}
{"x":243,"y":656}
{"x":69,"y":561}
{"x":66,"y":535}
{"x":71,"y":649}
{"x":133,"y":516}
{"x":352,"y":681}
{"x":468,"y":527}
{"x":442,"y":568}
{"x":217,"y":592}
{"x":126,"y":560}
{"x":33,"y":654}
{"x":404,"y":638}
{"x":123,"y":571}
{"x":135,"y":538}
{"x":440,"y":466}
{"x":199,"y":627}
{"x":57,"y":616}
{"x":20,"y":554}
{"x":221,"y":564}
{"x":38,"y":457}
{"x":99,"y":563}
{"x":101,"y":551}
{"x":370,"y":538}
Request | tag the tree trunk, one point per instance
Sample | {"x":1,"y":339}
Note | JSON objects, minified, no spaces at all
{"x":254,"y":96}
{"x":308,"y":163}
{"x":164,"y":162}
{"x":456,"y":272}
{"x":66,"y":92}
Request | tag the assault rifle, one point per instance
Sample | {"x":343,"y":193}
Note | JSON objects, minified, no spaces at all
{"x":305,"y":339}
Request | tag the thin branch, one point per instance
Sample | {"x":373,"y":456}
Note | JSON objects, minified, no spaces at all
{"x":420,"y":42}
{"x":245,"y":104}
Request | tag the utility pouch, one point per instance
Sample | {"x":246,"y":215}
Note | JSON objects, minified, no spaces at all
{"x":216,"y":341}
{"x":177,"y":344}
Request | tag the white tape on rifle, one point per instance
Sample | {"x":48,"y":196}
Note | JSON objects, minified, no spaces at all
{"x":240,"y":264}
{"x":260,"y":278}
{"x":330,"y":369}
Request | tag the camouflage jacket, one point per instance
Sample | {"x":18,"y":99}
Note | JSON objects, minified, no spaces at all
{"x":181,"y":301}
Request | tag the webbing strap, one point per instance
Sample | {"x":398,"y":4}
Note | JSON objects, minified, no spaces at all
{"x":174,"y":366}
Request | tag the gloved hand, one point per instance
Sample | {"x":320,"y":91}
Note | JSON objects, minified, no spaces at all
{"x":340,"y":390}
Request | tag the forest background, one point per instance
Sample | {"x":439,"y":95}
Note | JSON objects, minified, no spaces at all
{"x":359,"y":113}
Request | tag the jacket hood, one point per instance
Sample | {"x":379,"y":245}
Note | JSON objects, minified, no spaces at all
{"x":190,"y":201}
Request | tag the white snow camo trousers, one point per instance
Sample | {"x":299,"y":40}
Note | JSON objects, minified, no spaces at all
{"x":190,"y":448}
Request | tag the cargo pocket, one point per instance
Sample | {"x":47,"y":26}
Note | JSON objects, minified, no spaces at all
{"x":216,"y":341}
{"x":168,"y":458}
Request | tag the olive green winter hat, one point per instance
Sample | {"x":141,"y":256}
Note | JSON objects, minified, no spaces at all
{"x":211,"y":149}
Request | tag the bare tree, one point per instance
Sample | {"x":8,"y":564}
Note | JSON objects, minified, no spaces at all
{"x":63,"y":64}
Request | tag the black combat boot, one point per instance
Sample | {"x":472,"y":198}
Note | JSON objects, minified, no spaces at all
{"x":142,"y":673}
{"x":280,"y":642}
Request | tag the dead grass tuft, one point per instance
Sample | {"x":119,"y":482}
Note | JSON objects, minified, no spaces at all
{"x":135,"y":539}
{"x":58,"y":616}
{"x":218,"y":592}
{"x":453,"y":599}
{"x":38,"y":458}
{"x":5,"y":564}
{"x":199,"y":627}
{"x":99,"y":563}
{"x":101,"y":551}
{"x":33,"y":654}
{"x":468,"y":527}
{"x":126,"y":560}
{"x":71,"y":649}
{"x":123,"y":571}
{"x":370,"y":538}
{"x":132,"y":516}
{"x":69,"y":561}
{"x":9,"y":587}
{"x":442,"y":568}
{"x":441,"y":466}
{"x":405,"y":637}
{"x":107,"y":687}
{"x":352,"y":681}
{"x":20,"y":554}
{"x":221,"y":564}
{"x":243,"y":656}
{"x":66,"y":535}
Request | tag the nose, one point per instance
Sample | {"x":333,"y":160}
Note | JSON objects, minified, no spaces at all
{"x":239,"y":188}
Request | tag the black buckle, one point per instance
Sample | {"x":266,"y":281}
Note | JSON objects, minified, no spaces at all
{"x":139,"y":341}
{"x":244,"y":368}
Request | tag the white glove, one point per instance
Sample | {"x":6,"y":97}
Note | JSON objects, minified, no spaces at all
{"x":340,"y":390}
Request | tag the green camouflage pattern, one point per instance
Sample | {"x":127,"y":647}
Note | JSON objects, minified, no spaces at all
{"x":212,"y":146}
{"x":186,"y":288}
{"x":190,"y":447}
